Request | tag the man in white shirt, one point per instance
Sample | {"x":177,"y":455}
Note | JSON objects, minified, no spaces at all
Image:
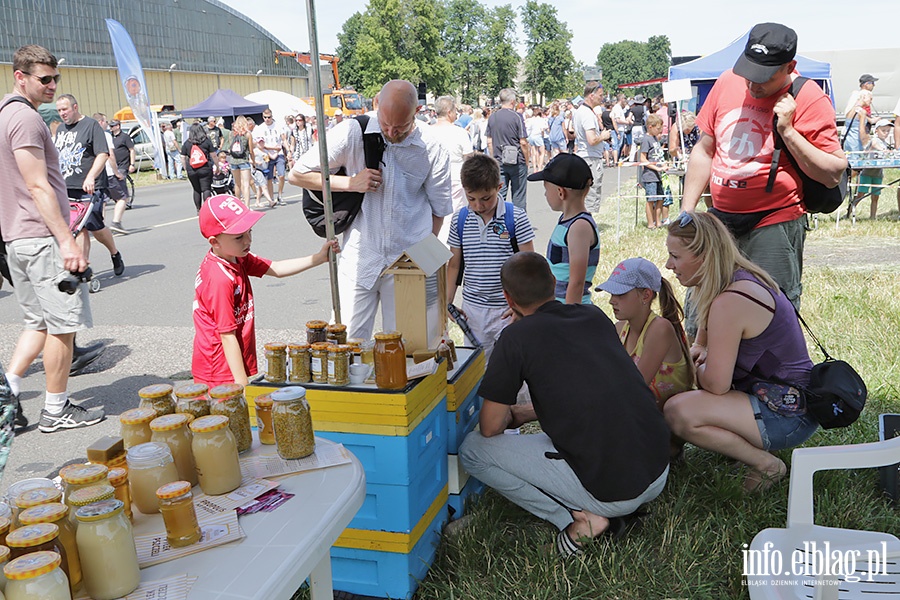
{"x":274,"y":138}
{"x":588,"y":138}
{"x":406,"y":200}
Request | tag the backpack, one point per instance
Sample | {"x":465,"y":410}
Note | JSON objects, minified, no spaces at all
{"x":197,"y":157}
{"x":817,"y":198}
{"x":344,"y":205}
{"x":237,"y":147}
{"x":509,"y":219}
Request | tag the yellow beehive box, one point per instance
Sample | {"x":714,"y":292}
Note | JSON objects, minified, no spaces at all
{"x":465,"y":377}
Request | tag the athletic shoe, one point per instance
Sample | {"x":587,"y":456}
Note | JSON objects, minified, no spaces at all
{"x":117,"y":227}
{"x":21,"y":421}
{"x":72,"y":417}
{"x":82,"y":357}
{"x":118,"y":264}
{"x":128,"y":205}
{"x":280,"y":201}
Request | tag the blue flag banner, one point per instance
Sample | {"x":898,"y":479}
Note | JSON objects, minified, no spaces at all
{"x":132,"y":76}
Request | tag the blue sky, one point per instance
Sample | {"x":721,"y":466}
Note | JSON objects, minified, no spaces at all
{"x":703,"y":28}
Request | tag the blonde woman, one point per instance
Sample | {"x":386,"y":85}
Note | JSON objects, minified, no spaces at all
{"x":240,"y":152}
{"x":750,"y":355}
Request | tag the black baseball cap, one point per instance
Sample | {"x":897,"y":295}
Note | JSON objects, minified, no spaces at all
{"x":769,"y":47}
{"x":867,"y":79}
{"x":565,"y":170}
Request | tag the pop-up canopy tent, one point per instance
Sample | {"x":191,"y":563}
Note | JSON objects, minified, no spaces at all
{"x":225,"y":103}
{"x":704,"y":71}
{"x":282,"y":104}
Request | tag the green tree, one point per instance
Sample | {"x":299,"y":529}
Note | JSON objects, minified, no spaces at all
{"x":500,"y":52}
{"x":549,"y":63}
{"x":349,"y":68}
{"x":466,"y":40}
{"x":401,"y":40}
{"x":629,"y":61}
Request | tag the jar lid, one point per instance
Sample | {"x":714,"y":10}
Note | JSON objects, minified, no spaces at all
{"x":26,"y":484}
{"x":209,"y":423}
{"x":226,"y":390}
{"x":91,"y":494}
{"x":117,"y":461}
{"x":148,"y":452}
{"x":336,"y":327}
{"x":4,"y":525}
{"x":288,"y":394}
{"x":32,"y":565}
{"x":98,"y":510}
{"x":264,"y":401}
{"x":45,"y":513}
{"x":387,"y":336}
{"x":320,"y":346}
{"x":191,"y":390}
{"x":117,"y":476}
{"x":356,"y":342}
{"x":169,"y":422}
{"x":173,"y":490}
{"x":340,"y":348}
{"x":4,"y":554}
{"x":298,"y":346}
{"x":277,"y":346}
{"x":32,"y":535}
{"x":316,"y":324}
{"x":137,"y":416}
{"x":38,"y":496}
{"x":82,"y":474}
{"x":156,"y":390}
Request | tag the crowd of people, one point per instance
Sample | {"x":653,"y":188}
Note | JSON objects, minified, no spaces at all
{"x":726,"y":379}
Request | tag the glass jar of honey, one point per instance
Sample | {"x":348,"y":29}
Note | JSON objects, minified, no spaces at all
{"x":216,"y":455}
{"x":76,"y":477}
{"x":37,"y":538}
{"x":336,"y":334}
{"x":135,"y":426}
{"x":150,"y":466}
{"x":228,"y":400}
{"x":159,"y":398}
{"x":293,"y":423}
{"x":390,"y":361}
{"x":191,"y":399}
{"x":173,"y":430}
{"x":264,"y":419}
{"x":118,"y":478}
{"x":299,"y":355}
{"x":38,"y":576}
{"x":56,"y":513}
{"x":36,"y":497}
{"x":276,"y":362}
{"x":176,"y":503}
{"x":367,"y":352}
{"x":17,"y":488}
{"x":319,"y":362}
{"x":315,"y":332}
{"x":339,"y":365}
{"x":109,"y":560}
{"x":355,"y":350}
{"x":88,"y":495}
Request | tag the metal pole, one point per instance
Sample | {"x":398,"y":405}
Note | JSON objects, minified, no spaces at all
{"x":323,"y":155}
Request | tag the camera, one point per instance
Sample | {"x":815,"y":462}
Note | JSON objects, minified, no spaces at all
{"x":71,"y":282}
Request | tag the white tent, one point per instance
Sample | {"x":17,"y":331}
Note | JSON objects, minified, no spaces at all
{"x":282,"y":104}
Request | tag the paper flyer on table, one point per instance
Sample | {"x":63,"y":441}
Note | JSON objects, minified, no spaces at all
{"x":216,"y":505}
{"x":154,"y":549}
{"x":326,"y":455}
{"x":176,"y":587}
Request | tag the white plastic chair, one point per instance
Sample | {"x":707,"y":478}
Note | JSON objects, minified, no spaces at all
{"x":771,"y":571}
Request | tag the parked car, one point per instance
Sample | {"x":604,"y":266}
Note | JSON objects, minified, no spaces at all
{"x":143,"y":147}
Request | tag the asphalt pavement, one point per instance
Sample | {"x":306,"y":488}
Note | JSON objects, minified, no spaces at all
{"x":144,"y":317}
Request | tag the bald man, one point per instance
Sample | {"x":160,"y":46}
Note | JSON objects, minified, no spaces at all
{"x":406,"y":200}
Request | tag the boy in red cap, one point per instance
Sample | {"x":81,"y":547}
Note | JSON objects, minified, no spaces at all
{"x":224,"y":324}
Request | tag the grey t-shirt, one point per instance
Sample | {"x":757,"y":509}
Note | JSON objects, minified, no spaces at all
{"x":585,"y":119}
{"x":506,"y":127}
{"x":650,"y":146}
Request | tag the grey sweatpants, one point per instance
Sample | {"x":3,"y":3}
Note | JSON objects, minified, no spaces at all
{"x":516,"y":467}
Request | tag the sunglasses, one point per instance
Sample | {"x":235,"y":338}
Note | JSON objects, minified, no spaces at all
{"x":46,"y":79}
{"x":685,"y":219}
{"x":268,"y":117}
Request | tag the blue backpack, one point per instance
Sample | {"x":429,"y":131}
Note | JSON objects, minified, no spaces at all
{"x":509,"y":219}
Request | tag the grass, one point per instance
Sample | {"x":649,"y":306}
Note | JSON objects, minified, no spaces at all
{"x":691,"y":545}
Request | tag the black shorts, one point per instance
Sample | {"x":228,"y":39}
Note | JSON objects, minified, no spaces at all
{"x":117,"y":189}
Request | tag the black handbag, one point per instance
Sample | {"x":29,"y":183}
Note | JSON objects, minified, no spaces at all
{"x":344,"y":205}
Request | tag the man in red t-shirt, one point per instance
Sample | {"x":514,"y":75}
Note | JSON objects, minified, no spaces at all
{"x":224,"y":324}
{"x":734,"y":153}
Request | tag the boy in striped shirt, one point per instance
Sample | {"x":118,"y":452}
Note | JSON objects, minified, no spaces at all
{"x":481,"y":242}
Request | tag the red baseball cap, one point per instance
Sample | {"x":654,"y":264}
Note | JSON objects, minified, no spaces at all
{"x":226,"y":214}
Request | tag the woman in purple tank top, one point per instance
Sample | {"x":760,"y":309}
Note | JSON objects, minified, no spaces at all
{"x":750,"y":354}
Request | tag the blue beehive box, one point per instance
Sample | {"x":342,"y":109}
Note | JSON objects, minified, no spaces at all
{"x":461,"y":503}
{"x":462,"y":421}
